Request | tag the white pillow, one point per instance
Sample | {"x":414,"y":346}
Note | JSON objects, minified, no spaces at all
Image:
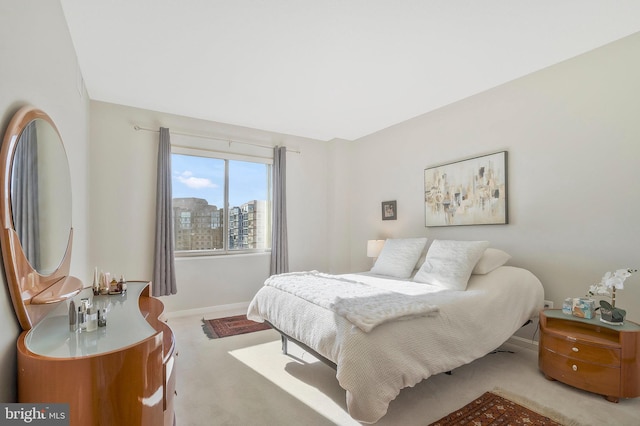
{"x":398,"y":257}
{"x":490,"y":260}
{"x":449,"y":263}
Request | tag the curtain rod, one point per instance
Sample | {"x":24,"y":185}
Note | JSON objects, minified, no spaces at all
{"x":230,"y":141}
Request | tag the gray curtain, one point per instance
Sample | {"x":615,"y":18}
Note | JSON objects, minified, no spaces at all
{"x":164,"y":274}
{"x":24,"y":194}
{"x":279,"y":245}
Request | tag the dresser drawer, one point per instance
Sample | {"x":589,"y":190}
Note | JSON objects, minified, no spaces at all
{"x":596,"y":378}
{"x":581,"y":351}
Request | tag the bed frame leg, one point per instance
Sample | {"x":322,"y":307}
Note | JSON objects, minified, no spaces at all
{"x":284,"y":344}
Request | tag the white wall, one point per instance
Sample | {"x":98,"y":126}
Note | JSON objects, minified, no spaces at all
{"x":572,"y":133}
{"x":339,"y":205}
{"x":39,"y":68}
{"x":123,"y":176}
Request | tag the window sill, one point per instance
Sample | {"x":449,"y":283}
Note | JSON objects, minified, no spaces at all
{"x":219,"y":254}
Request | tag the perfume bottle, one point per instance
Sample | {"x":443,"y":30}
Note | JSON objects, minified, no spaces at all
{"x":82,"y":320}
{"x":96,"y":283}
{"x":73,"y":317}
{"x":104,"y":282}
{"x":102,"y":317}
{"x":82,"y":314}
{"x":92,"y":319}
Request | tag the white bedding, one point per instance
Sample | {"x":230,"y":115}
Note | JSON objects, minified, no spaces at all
{"x":365,"y":306}
{"x":373,"y":367}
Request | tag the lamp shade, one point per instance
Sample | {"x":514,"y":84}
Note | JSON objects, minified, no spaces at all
{"x":374,"y":247}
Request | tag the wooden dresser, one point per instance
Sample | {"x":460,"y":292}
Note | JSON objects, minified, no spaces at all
{"x":590,"y":355}
{"x":121,"y":374}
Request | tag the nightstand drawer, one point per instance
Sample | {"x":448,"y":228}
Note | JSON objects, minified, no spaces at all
{"x":584,"y":375}
{"x":581,"y":351}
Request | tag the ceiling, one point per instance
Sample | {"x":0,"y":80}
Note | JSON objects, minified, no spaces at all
{"x":325,"y":69}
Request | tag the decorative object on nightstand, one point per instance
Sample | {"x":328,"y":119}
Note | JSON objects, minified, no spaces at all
{"x":583,"y":307}
{"x":609,"y":314}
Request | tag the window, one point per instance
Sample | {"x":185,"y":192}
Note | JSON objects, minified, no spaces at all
{"x":220,"y":205}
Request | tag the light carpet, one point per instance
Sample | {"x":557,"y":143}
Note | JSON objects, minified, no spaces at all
{"x":246,"y":380}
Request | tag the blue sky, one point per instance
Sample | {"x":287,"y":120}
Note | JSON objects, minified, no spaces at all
{"x":203,"y":177}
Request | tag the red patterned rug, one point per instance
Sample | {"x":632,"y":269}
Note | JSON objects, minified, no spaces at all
{"x":492,"y":409}
{"x":231,"y":326}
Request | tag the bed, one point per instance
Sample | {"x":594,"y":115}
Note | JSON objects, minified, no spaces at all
{"x":409,"y":325}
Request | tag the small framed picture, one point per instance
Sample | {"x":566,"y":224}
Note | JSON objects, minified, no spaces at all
{"x":389,"y":210}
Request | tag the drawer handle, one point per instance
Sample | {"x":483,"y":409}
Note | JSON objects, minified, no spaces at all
{"x":575,"y":349}
{"x":574,"y":367}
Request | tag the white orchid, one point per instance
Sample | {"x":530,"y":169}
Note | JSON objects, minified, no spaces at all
{"x":611,"y":280}
{"x":598,"y":290}
{"x":617,"y":278}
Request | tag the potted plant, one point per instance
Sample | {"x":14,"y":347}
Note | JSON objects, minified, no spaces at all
{"x":610,"y":282}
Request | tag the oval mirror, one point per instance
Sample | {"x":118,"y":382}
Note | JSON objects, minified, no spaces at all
{"x":41,"y":195}
{"x":35,"y":204}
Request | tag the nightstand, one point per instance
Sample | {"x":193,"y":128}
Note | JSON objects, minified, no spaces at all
{"x":590,"y":355}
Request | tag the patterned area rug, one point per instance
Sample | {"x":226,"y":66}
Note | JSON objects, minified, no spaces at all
{"x":231,"y":326}
{"x":493,"y":409}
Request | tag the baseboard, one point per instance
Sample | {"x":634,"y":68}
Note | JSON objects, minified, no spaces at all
{"x":522,"y":342}
{"x":210,"y":311}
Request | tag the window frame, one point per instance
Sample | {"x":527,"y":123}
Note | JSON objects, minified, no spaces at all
{"x":226,"y":157}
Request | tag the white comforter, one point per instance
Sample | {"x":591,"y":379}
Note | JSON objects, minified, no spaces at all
{"x":365,"y":306}
{"x":373,"y":367}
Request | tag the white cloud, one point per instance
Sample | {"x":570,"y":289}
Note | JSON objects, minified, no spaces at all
{"x":191,"y":181}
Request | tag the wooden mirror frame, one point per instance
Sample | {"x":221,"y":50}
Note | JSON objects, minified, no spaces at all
{"x":33,"y":294}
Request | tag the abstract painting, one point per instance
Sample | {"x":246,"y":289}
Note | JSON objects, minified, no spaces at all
{"x":467,"y":192}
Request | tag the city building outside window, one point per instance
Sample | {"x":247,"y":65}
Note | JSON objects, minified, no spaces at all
{"x":220,"y":205}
